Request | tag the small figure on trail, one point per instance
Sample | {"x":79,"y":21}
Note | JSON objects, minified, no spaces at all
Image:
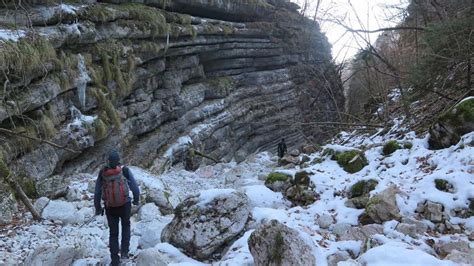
{"x":112,"y":185}
{"x":281,"y":148}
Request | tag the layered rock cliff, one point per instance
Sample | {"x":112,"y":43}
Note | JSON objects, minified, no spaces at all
{"x":153,"y":78}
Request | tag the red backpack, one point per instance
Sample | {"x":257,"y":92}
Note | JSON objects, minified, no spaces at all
{"x":114,"y":187}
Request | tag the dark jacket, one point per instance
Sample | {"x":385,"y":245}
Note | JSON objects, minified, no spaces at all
{"x":132,"y":184}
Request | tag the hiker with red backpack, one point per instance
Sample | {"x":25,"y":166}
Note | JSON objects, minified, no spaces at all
{"x":113,"y":185}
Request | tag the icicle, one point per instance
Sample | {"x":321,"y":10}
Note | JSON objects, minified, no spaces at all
{"x":167,"y":41}
{"x":81,"y":81}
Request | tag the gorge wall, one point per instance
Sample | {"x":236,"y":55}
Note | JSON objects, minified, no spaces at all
{"x":155,"y":77}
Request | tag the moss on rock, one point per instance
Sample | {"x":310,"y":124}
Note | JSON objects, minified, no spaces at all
{"x":390,"y":147}
{"x":302,"y":178}
{"x":276,"y":176}
{"x":362,"y":187}
{"x":451,"y":125}
{"x":351,"y":161}
{"x":26,"y":57}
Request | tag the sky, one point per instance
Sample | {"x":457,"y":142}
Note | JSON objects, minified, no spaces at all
{"x":358,"y":14}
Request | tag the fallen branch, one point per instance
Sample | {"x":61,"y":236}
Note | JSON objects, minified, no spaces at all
{"x":17,"y":134}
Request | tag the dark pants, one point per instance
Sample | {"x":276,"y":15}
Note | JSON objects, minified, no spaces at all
{"x":113,"y":217}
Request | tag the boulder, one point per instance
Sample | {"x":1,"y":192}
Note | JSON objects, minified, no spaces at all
{"x":287,"y":160}
{"x":407,"y":229}
{"x":325,"y":220}
{"x":362,"y":233}
{"x":61,"y":211}
{"x":274,"y":243}
{"x":445,"y":248}
{"x":450,"y":126}
{"x":150,"y":257}
{"x":294,"y":153}
{"x":462,"y":258}
{"x":53,"y":187}
{"x":357,"y":202}
{"x":278,"y":182}
{"x":383,"y":206}
{"x":309,"y":148}
{"x":337,"y":257}
{"x":301,"y":195}
{"x":52,"y":254}
{"x":161,"y":199}
{"x":421,"y":228}
{"x":206,"y":223}
{"x":341,"y":228}
{"x":41,"y":203}
{"x":8,"y":206}
{"x":148,"y":212}
{"x":430,"y":210}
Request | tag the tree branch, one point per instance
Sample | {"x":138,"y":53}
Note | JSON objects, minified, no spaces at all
{"x":384,"y":29}
{"x":16,"y":134}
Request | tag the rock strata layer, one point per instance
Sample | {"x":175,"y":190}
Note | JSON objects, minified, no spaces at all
{"x":156,"y":78}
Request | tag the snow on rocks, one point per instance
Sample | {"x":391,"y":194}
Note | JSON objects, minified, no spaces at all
{"x":262,"y":196}
{"x":204,"y":223}
{"x":396,"y":253}
{"x":274,"y":243}
{"x":420,"y":238}
{"x":148,"y":212}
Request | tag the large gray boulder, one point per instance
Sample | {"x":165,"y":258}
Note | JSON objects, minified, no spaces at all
{"x":53,"y":187}
{"x":362,"y":233}
{"x":383,"y":206}
{"x":276,"y":244}
{"x":52,"y":254}
{"x":206,"y":223}
{"x":62,"y":211}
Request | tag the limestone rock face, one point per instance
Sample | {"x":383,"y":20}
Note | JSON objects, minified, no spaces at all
{"x":452,"y":125}
{"x":276,"y":244}
{"x":206,"y":223}
{"x":216,"y":76}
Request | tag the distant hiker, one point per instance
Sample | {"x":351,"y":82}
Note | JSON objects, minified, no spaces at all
{"x":112,"y":185}
{"x":281,"y":148}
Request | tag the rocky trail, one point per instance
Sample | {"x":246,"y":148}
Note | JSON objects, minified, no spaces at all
{"x":410,"y":207}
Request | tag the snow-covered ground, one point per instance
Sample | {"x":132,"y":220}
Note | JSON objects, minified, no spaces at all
{"x":413,"y":171}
